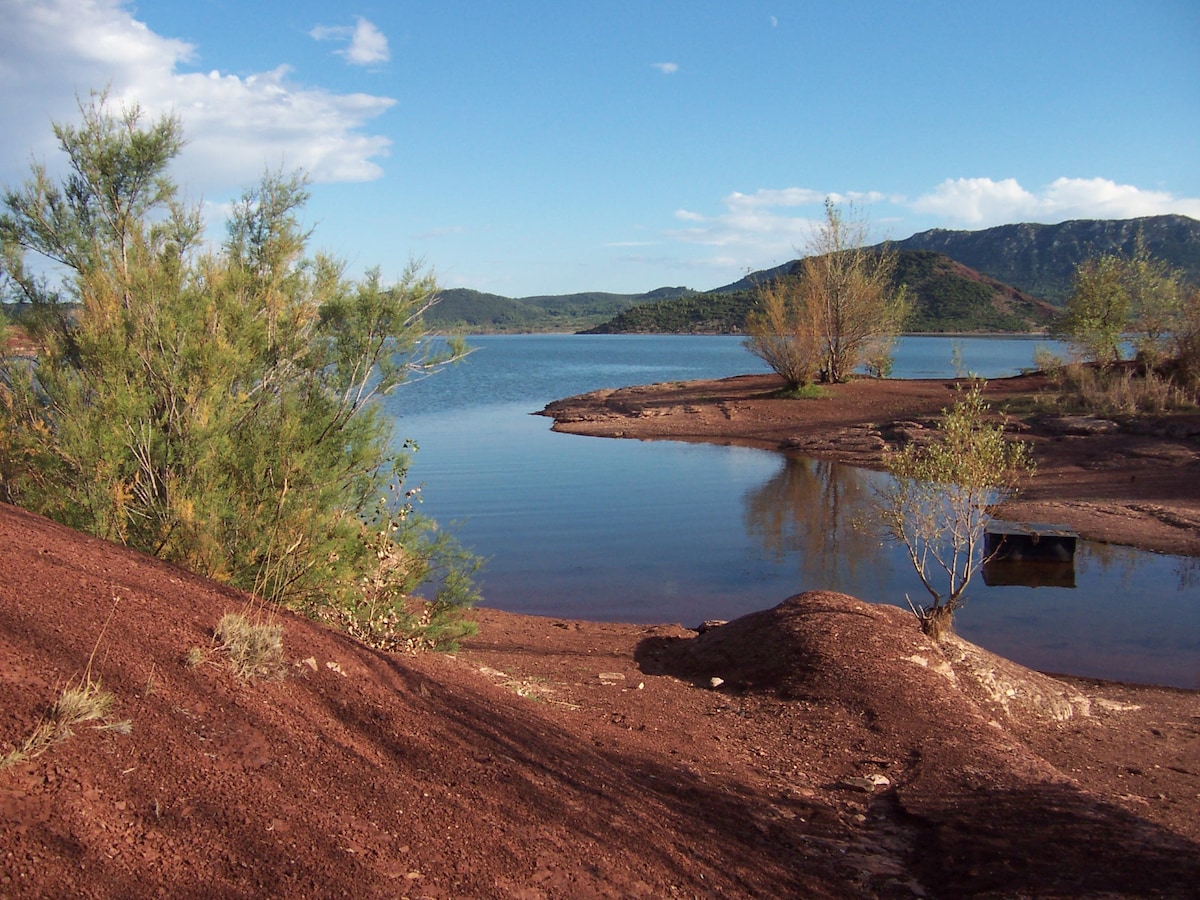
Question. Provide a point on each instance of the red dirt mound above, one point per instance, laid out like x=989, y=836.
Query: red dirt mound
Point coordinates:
x=562, y=759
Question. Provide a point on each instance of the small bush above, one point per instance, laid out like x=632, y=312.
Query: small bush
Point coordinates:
x=802, y=392
x=383, y=611
x=1119, y=390
x=938, y=504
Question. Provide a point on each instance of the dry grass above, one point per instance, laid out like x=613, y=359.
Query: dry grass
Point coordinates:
x=254, y=648
x=81, y=702
x=1123, y=389
x=84, y=702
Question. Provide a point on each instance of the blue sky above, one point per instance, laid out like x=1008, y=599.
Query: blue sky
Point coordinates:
x=530, y=147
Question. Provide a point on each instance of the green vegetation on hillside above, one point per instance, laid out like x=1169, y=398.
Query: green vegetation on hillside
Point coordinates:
x=464, y=311
x=697, y=314
x=949, y=297
x=945, y=297
x=1040, y=260
x=217, y=407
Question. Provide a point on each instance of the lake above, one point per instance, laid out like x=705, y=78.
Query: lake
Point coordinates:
x=623, y=530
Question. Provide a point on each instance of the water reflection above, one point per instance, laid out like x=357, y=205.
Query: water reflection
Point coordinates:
x=1114, y=612
x=625, y=531
x=1127, y=567
x=813, y=510
x=1029, y=573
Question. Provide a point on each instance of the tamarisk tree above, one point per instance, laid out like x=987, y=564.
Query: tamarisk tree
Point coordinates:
x=838, y=312
x=214, y=406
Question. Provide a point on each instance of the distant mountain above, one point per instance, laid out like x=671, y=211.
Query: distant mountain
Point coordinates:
x=1008, y=278
x=947, y=296
x=467, y=311
x=1040, y=259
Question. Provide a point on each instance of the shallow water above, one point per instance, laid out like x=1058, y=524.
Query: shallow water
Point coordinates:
x=660, y=531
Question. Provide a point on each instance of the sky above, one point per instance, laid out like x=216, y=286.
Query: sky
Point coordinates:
x=539, y=147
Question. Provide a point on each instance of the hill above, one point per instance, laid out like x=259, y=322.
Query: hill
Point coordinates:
x=1009, y=279
x=466, y=311
x=947, y=297
x=563, y=759
x=1040, y=259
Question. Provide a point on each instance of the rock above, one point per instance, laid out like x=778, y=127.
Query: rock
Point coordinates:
x=866, y=785
x=715, y=682
x=1081, y=425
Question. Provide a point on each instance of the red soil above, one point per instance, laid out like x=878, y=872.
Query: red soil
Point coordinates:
x=551, y=758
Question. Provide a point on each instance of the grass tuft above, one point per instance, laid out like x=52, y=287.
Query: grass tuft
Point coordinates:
x=81, y=702
x=76, y=705
x=254, y=649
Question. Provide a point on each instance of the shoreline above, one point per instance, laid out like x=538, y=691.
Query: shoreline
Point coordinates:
x=1133, y=482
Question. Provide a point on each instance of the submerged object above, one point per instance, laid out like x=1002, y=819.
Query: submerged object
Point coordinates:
x=1032, y=554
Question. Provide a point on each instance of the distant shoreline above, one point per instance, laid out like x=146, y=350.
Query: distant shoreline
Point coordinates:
x=1138, y=485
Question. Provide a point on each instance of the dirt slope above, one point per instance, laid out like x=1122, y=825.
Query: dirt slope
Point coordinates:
x=564, y=759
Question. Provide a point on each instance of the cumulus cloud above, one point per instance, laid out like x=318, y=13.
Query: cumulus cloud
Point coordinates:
x=765, y=223
x=752, y=227
x=236, y=126
x=366, y=44
x=984, y=202
x=667, y=68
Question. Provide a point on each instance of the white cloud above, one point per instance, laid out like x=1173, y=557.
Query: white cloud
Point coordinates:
x=752, y=229
x=367, y=44
x=983, y=202
x=764, y=228
x=235, y=126
x=766, y=198
x=667, y=68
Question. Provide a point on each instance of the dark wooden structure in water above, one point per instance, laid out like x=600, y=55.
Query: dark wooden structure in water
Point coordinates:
x=1032, y=554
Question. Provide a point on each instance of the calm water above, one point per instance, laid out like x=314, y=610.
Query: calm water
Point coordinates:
x=635, y=531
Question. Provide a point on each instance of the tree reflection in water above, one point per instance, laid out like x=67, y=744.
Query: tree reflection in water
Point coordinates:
x=809, y=510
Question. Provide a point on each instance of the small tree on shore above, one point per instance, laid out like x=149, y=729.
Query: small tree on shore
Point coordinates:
x=938, y=504
x=1118, y=297
x=783, y=334
x=840, y=311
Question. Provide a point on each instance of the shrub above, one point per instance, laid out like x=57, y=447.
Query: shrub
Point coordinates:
x=839, y=312
x=215, y=407
x=938, y=504
x=1124, y=389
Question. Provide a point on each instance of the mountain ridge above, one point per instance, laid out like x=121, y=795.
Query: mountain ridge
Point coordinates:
x=1033, y=260
x=1040, y=259
x=947, y=296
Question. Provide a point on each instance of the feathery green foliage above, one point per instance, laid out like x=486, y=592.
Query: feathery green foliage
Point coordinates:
x=214, y=407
